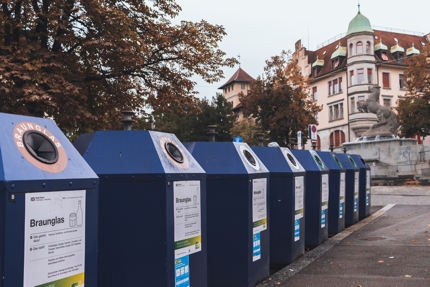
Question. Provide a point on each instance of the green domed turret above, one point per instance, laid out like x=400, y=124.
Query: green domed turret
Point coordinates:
x=359, y=24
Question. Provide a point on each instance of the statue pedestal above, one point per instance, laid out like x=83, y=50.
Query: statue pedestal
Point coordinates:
x=392, y=158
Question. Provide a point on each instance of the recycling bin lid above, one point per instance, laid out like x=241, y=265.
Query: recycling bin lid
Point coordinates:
x=347, y=161
x=331, y=160
x=279, y=160
x=136, y=152
x=310, y=160
x=226, y=157
x=361, y=163
x=36, y=149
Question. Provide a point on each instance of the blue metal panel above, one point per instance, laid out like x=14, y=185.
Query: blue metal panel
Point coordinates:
x=365, y=197
x=284, y=248
x=136, y=221
x=351, y=202
x=316, y=217
x=336, y=204
x=229, y=212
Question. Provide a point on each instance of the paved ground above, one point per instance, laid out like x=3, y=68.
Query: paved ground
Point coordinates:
x=389, y=248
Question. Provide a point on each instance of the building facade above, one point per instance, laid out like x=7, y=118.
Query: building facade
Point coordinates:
x=343, y=71
x=238, y=83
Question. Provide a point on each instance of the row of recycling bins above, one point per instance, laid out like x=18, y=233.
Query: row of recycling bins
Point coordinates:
x=140, y=208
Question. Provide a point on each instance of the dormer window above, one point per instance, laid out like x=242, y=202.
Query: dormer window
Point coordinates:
x=398, y=52
x=317, y=66
x=335, y=63
x=381, y=51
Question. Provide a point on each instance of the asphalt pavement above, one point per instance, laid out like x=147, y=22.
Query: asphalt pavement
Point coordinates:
x=390, y=248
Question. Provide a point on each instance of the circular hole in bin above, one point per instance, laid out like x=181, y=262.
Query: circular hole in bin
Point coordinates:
x=40, y=147
x=337, y=161
x=318, y=160
x=352, y=161
x=174, y=152
x=249, y=157
x=291, y=159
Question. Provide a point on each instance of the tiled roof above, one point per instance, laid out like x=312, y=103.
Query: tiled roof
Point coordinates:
x=404, y=40
x=240, y=76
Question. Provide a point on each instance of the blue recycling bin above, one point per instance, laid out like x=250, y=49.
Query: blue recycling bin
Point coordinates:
x=237, y=212
x=287, y=192
x=49, y=207
x=152, y=221
x=336, y=198
x=364, y=194
x=316, y=197
x=351, y=188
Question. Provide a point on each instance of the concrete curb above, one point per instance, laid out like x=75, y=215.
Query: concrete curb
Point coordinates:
x=288, y=271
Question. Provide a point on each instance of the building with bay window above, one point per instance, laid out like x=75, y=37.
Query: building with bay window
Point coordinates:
x=344, y=69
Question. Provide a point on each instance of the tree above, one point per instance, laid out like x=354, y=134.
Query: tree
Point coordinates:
x=192, y=125
x=248, y=130
x=82, y=62
x=281, y=103
x=413, y=111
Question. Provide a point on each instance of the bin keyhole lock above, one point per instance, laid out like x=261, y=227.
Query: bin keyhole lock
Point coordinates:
x=40, y=147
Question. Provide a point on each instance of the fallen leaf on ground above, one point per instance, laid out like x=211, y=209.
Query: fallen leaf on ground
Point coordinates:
x=381, y=261
x=277, y=283
x=408, y=276
x=414, y=240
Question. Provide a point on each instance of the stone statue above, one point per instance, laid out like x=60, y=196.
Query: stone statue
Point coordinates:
x=387, y=120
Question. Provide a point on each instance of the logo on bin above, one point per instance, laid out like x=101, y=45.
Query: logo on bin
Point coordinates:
x=40, y=147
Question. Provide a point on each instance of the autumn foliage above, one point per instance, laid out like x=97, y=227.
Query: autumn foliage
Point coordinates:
x=414, y=109
x=281, y=102
x=82, y=62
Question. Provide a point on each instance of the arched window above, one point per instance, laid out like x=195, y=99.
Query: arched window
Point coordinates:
x=368, y=48
x=351, y=50
x=359, y=48
x=337, y=138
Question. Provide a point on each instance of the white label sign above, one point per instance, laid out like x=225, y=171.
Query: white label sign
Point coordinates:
x=259, y=204
x=299, y=193
x=324, y=189
x=187, y=217
x=54, y=244
x=356, y=182
x=342, y=188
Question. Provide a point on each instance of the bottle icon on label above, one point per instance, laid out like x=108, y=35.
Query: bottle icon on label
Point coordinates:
x=79, y=215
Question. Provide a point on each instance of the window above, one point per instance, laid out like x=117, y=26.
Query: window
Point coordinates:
x=359, y=48
x=351, y=78
x=337, y=138
x=400, y=57
x=368, y=48
x=335, y=86
x=386, y=102
x=385, y=80
x=369, y=76
x=384, y=55
x=334, y=63
x=318, y=142
x=360, y=76
x=351, y=50
x=315, y=93
x=402, y=81
x=335, y=111
x=242, y=86
x=352, y=105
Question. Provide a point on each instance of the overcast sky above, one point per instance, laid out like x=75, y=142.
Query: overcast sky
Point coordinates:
x=258, y=30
